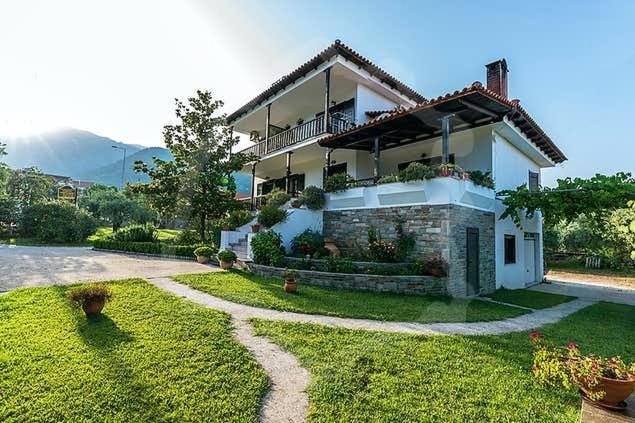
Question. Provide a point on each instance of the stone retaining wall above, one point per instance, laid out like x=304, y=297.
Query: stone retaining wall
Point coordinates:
x=361, y=266
x=414, y=285
x=439, y=230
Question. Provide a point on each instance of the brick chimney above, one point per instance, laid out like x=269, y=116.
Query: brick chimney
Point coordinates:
x=497, y=77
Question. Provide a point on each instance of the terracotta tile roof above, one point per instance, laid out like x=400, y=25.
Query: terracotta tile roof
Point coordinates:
x=337, y=48
x=516, y=113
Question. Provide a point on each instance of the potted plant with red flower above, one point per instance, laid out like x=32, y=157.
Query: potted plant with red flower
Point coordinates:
x=438, y=267
x=446, y=169
x=606, y=382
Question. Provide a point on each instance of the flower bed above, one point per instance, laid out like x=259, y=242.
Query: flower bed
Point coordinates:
x=365, y=267
x=414, y=285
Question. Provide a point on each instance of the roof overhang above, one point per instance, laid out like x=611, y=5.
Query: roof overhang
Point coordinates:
x=319, y=61
x=471, y=107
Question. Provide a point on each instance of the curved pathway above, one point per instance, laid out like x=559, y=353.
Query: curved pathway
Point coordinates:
x=244, y=312
x=287, y=400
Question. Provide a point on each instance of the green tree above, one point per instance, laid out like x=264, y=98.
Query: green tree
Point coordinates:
x=106, y=202
x=198, y=183
x=595, y=197
x=28, y=186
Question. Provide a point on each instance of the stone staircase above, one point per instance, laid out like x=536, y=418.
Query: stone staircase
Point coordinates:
x=240, y=248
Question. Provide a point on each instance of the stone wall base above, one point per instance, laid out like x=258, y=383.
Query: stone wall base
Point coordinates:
x=413, y=285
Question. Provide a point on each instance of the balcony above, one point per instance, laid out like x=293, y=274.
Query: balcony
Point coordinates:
x=307, y=130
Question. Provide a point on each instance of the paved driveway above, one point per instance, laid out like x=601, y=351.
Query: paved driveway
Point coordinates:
x=590, y=291
x=33, y=266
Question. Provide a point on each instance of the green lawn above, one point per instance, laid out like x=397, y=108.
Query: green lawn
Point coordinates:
x=531, y=299
x=263, y=292
x=150, y=357
x=163, y=234
x=370, y=376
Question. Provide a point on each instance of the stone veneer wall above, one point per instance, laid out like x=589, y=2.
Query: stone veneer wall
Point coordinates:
x=414, y=285
x=439, y=231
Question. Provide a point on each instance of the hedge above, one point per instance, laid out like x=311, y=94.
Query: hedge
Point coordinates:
x=148, y=247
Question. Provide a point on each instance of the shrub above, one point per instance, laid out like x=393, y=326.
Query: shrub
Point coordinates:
x=149, y=247
x=270, y=215
x=337, y=182
x=277, y=197
x=88, y=293
x=313, y=197
x=416, y=172
x=482, y=178
x=57, y=222
x=136, y=233
x=405, y=240
x=339, y=265
x=438, y=264
x=204, y=251
x=267, y=249
x=237, y=218
x=388, y=179
x=308, y=242
x=228, y=256
x=187, y=237
x=382, y=251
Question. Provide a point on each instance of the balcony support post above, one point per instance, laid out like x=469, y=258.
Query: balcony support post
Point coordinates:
x=288, y=175
x=327, y=163
x=253, y=186
x=267, y=124
x=445, y=138
x=377, y=151
x=327, y=97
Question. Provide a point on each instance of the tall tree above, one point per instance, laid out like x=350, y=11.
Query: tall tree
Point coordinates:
x=106, y=202
x=199, y=180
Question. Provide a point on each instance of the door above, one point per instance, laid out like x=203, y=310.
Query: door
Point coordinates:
x=530, y=261
x=472, y=265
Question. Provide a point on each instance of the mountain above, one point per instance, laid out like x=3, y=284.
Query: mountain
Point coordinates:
x=67, y=151
x=87, y=157
x=110, y=174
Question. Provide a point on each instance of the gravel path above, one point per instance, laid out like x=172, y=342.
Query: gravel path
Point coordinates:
x=37, y=266
x=589, y=291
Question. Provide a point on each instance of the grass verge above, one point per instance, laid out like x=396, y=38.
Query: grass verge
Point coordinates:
x=150, y=357
x=531, y=299
x=264, y=292
x=371, y=376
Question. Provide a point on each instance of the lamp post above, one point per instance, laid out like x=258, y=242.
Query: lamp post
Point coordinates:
x=123, y=166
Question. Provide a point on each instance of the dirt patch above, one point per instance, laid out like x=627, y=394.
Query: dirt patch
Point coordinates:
x=591, y=278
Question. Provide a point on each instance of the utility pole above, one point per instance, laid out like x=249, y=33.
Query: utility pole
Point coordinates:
x=123, y=165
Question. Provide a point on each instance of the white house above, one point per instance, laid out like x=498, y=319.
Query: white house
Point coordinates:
x=340, y=113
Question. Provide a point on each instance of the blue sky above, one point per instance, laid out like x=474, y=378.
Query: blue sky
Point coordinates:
x=572, y=64
x=115, y=67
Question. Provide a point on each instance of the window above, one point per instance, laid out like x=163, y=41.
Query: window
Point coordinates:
x=533, y=180
x=337, y=168
x=510, y=249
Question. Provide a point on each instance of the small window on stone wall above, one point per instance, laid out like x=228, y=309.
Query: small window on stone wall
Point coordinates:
x=510, y=249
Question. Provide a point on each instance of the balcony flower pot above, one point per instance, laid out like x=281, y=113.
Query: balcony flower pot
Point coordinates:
x=465, y=176
x=616, y=391
x=436, y=272
x=255, y=228
x=290, y=284
x=296, y=203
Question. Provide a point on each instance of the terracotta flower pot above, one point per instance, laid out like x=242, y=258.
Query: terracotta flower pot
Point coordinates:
x=436, y=272
x=93, y=307
x=226, y=265
x=255, y=228
x=290, y=286
x=202, y=259
x=446, y=172
x=296, y=205
x=616, y=391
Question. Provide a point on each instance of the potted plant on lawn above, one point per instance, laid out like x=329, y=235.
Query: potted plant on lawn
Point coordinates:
x=227, y=258
x=290, y=284
x=203, y=254
x=91, y=297
x=255, y=228
x=606, y=382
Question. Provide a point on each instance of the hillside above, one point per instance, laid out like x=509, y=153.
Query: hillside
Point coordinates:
x=65, y=151
x=87, y=157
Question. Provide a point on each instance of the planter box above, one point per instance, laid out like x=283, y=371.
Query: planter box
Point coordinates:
x=398, y=193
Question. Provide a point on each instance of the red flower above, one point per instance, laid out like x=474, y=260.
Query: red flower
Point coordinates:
x=573, y=346
x=534, y=368
x=536, y=335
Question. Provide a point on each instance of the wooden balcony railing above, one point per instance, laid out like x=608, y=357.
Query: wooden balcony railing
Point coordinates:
x=297, y=134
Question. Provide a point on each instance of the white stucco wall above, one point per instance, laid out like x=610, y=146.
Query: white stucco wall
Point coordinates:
x=511, y=169
x=368, y=100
